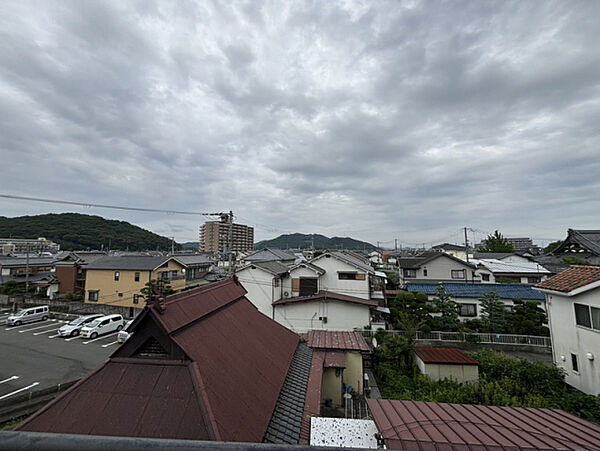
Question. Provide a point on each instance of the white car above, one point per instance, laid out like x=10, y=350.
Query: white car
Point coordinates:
x=102, y=325
x=74, y=327
x=125, y=334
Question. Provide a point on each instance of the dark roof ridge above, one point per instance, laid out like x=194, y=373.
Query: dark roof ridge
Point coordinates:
x=189, y=293
x=203, y=402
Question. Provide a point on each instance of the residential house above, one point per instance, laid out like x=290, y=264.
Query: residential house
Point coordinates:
x=342, y=355
x=418, y=425
x=446, y=363
x=453, y=249
x=69, y=270
x=263, y=283
x=492, y=271
x=32, y=270
x=197, y=266
x=203, y=364
x=119, y=280
x=573, y=305
x=270, y=255
x=468, y=295
x=432, y=266
x=506, y=257
x=583, y=244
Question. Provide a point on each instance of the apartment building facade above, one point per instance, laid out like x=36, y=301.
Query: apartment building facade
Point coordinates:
x=214, y=236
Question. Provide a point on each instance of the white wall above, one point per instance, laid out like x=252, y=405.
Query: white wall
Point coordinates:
x=299, y=273
x=330, y=281
x=259, y=285
x=568, y=338
x=304, y=316
x=440, y=371
x=440, y=269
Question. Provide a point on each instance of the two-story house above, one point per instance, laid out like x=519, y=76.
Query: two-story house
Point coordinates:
x=119, y=280
x=573, y=306
x=432, y=266
x=501, y=271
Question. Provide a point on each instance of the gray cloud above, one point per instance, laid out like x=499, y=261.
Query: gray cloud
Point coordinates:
x=377, y=120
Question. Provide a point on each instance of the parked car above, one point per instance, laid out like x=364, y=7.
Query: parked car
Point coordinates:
x=124, y=334
x=29, y=315
x=74, y=327
x=102, y=325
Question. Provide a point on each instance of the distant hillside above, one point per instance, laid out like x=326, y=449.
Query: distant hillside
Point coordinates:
x=302, y=241
x=191, y=245
x=75, y=231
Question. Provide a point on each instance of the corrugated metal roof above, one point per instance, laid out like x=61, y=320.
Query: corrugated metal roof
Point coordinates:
x=334, y=359
x=339, y=340
x=129, y=262
x=444, y=355
x=498, y=266
x=238, y=361
x=477, y=290
x=416, y=425
x=326, y=295
x=575, y=277
x=270, y=254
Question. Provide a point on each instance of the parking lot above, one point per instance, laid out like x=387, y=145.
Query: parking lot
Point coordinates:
x=33, y=356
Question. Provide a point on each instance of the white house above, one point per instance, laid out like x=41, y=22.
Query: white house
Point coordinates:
x=491, y=270
x=435, y=266
x=573, y=303
x=264, y=283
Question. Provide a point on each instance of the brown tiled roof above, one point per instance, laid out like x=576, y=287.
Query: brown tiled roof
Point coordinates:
x=416, y=425
x=576, y=276
x=232, y=359
x=444, y=355
x=312, y=404
x=344, y=341
x=326, y=295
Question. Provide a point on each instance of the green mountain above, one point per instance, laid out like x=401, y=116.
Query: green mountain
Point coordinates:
x=303, y=241
x=75, y=231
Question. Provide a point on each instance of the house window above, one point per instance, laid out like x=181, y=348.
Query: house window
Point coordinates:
x=93, y=296
x=458, y=273
x=582, y=315
x=136, y=298
x=595, y=318
x=117, y=275
x=410, y=273
x=120, y=295
x=308, y=287
x=425, y=272
x=163, y=275
x=467, y=309
x=173, y=274
x=485, y=277
x=347, y=276
x=534, y=279
x=574, y=363
x=276, y=282
x=136, y=277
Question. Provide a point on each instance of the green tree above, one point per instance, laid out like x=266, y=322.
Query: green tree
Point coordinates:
x=10, y=287
x=445, y=307
x=527, y=318
x=493, y=313
x=552, y=246
x=412, y=305
x=496, y=243
x=162, y=285
x=573, y=260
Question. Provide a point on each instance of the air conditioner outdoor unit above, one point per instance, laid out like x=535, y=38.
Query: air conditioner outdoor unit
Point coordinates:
x=286, y=294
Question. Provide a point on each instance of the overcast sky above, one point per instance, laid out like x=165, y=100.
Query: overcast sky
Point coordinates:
x=377, y=120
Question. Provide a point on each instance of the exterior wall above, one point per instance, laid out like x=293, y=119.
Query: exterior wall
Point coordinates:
x=515, y=259
x=67, y=278
x=299, y=273
x=331, y=387
x=260, y=287
x=353, y=374
x=331, y=282
x=214, y=237
x=458, y=373
x=439, y=270
x=102, y=280
x=304, y=316
x=569, y=338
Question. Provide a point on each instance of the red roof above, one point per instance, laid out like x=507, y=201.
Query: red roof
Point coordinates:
x=417, y=426
x=233, y=360
x=312, y=402
x=329, y=339
x=576, y=276
x=445, y=355
x=334, y=359
x=326, y=296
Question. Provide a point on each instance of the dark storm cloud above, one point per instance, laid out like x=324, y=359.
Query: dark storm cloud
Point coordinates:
x=382, y=120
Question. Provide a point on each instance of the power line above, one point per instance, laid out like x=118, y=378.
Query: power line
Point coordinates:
x=114, y=207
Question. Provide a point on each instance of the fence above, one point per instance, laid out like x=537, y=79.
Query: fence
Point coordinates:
x=461, y=337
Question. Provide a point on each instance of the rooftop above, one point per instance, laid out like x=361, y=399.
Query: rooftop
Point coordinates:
x=444, y=355
x=416, y=425
x=577, y=276
x=326, y=296
x=338, y=340
x=476, y=290
x=498, y=266
x=129, y=262
x=269, y=254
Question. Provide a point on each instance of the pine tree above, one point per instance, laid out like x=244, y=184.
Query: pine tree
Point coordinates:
x=496, y=243
x=493, y=313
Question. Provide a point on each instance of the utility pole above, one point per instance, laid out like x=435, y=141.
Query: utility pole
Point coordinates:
x=466, y=245
x=172, y=245
x=230, y=238
x=396, y=245
x=27, y=271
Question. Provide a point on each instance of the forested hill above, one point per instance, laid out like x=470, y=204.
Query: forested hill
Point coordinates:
x=303, y=241
x=75, y=231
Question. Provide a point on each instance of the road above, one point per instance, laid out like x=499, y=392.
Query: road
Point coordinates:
x=33, y=357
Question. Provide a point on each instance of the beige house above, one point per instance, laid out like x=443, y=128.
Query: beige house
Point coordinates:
x=447, y=363
x=119, y=280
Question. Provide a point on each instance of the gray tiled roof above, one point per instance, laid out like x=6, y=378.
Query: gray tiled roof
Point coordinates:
x=269, y=254
x=143, y=263
x=287, y=416
x=350, y=260
x=194, y=259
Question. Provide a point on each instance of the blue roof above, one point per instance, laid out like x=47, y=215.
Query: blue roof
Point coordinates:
x=477, y=290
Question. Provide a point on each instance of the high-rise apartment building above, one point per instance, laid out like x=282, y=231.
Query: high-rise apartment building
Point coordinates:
x=214, y=236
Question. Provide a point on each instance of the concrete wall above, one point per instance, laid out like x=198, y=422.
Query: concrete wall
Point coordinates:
x=303, y=316
x=260, y=287
x=103, y=281
x=330, y=280
x=331, y=387
x=439, y=371
x=353, y=373
x=569, y=338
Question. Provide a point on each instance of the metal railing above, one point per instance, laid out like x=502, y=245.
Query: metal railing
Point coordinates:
x=465, y=337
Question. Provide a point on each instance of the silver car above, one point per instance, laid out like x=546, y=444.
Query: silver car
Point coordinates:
x=74, y=327
x=29, y=315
